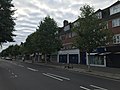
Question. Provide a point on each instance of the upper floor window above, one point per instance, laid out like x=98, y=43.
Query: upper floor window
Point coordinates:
x=106, y=25
x=69, y=35
x=67, y=28
x=74, y=34
x=76, y=24
x=115, y=9
x=62, y=37
x=99, y=15
x=116, y=22
x=116, y=39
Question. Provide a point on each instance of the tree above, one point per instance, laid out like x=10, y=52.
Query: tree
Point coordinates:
x=29, y=47
x=15, y=50
x=92, y=32
x=30, y=44
x=22, y=49
x=4, y=53
x=6, y=21
x=7, y=52
x=11, y=51
x=44, y=40
x=47, y=37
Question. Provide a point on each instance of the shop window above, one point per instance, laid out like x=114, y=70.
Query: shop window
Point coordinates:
x=97, y=60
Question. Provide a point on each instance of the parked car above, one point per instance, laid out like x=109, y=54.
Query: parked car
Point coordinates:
x=8, y=58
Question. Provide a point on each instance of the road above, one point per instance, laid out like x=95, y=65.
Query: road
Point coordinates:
x=26, y=76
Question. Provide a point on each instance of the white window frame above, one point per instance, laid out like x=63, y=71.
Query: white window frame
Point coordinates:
x=115, y=9
x=116, y=22
x=70, y=35
x=92, y=54
x=116, y=39
x=99, y=15
x=74, y=34
x=66, y=28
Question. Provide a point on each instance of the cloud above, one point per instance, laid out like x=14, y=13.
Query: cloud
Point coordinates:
x=26, y=26
x=27, y=22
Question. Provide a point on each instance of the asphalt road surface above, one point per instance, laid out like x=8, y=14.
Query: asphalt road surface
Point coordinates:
x=25, y=76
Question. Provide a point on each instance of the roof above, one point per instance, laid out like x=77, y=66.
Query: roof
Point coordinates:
x=99, y=10
x=116, y=3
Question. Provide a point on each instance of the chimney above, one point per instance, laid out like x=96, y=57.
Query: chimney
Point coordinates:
x=65, y=23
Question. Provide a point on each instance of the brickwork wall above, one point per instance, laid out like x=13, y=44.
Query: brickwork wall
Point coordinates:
x=115, y=30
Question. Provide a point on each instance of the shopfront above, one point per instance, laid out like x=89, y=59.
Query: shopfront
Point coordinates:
x=96, y=60
x=69, y=56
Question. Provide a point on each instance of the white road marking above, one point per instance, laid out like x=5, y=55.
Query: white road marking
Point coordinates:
x=100, y=88
x=32, y=69
x=52, y=77
x=59, y=76
x=21, y=65
x=84, y=88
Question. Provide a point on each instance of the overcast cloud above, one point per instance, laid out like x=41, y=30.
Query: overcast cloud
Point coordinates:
x=30, y=12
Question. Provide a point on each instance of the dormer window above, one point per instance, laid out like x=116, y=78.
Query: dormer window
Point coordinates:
x=115, y=9
x=99, y=15
x=66, y=28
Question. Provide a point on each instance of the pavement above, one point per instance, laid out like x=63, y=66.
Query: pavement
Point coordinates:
x=112, y=73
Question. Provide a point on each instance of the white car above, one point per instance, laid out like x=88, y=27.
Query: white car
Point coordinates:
x=8, y=58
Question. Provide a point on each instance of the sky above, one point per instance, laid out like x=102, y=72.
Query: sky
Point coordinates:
x=30, y=12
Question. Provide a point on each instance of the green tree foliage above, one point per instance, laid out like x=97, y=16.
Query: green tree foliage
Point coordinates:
x=22, y=49
x=92, y=32
x=6, y=21
x=15, y=50
x=30, y=46
x=47, y=36
x=45, y=39
x=12, y=50
x=6, y=52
